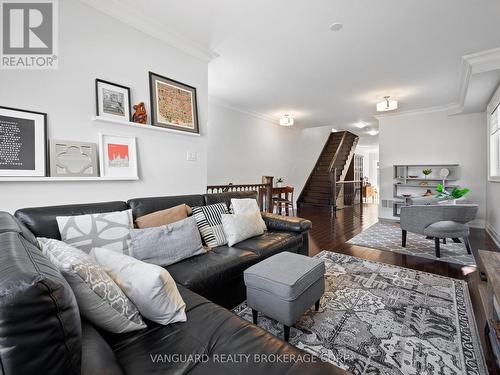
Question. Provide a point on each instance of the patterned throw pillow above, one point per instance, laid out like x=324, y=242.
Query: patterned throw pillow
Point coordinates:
x=99, y=299
x=208, y=219
x=109, y=230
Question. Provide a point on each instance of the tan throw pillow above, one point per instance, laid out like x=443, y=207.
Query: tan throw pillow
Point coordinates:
x=163, y=217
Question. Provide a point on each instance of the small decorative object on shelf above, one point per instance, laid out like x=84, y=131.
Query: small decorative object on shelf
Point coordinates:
x=279, y=181
x=23, y=147
x=427, y=172
x=428, y=193
x=424, y=183
x=140, y=116
x=118, y=156
x=73, y=159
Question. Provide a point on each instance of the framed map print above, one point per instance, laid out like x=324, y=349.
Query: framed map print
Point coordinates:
x=118, y=156
x=112, y=100
x=173, y=104
x=23, y=143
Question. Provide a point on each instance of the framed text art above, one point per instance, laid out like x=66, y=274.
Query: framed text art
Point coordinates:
x=112, y=100
x=23, y=143
x=173, y=104
x=118, y=156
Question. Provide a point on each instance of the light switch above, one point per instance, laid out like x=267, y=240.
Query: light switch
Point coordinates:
x=191, y=156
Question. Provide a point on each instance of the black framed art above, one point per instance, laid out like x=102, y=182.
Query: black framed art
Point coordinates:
x=23, y=143
x=112, y=100
x=173, y=104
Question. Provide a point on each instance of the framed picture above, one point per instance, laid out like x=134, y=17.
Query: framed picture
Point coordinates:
x=173, y=104
x=118, y=156
x=112, y=100
x=73, y=159
x=23, y=143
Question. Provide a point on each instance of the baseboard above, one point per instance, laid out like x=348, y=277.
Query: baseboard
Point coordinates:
x=387, y=220
x=493, y=234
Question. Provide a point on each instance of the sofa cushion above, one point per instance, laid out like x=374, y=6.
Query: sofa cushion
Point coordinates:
x=41, y=221
x=211, y=332
x=212, y=270
x=272, y=242
x=40, y=329
x=144, y=206
x=167, y=244
x=447, y=229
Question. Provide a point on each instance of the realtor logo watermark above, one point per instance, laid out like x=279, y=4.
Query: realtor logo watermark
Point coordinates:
x=29, y=34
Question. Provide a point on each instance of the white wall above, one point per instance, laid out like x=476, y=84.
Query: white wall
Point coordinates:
x=493, y=188
x=242, y=148
x=370, y=159
x=93, y=45
x=435, y=138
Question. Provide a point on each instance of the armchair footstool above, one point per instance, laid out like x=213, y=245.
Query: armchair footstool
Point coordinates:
x=285, y=286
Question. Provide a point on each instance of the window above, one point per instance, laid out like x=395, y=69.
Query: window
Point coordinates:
x=494, y=140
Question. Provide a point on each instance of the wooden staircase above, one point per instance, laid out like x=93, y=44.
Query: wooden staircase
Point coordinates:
x=336, y=156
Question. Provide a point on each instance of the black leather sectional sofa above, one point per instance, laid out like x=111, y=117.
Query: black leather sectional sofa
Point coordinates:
x=41, y=331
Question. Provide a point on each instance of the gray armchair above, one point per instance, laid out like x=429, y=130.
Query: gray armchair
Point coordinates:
x=438, y=222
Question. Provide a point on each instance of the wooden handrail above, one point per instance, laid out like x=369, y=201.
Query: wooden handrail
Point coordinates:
x=263, y=191
x=337, y=152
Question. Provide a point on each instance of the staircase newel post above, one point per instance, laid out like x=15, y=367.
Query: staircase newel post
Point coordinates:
x=333, y=189
x=268, y=180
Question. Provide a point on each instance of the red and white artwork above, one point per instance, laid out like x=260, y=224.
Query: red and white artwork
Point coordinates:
x=118, y=156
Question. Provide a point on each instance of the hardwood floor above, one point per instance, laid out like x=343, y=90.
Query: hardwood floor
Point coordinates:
x=332, y=233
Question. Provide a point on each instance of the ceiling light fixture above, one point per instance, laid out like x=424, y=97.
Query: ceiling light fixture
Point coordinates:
x=336, y=26
x=286, y=120
x=387, y=105
x=360, y=124
x=372, y=132
x=334, y=130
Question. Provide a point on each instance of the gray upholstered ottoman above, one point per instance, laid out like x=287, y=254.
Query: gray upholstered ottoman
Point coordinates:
x=284, y=286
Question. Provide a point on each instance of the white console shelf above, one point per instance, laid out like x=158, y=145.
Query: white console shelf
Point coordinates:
x=141, y=126
x=52, y=179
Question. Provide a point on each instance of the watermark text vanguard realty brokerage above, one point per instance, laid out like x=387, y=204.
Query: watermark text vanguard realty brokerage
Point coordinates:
x=240, y=358
x=29, y=34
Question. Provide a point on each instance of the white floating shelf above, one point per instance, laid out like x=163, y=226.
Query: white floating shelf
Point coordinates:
x=141, y=126
x=51, y=179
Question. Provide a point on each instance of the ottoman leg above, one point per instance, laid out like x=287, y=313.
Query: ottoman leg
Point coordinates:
x=467, y=245
x=255, y=313
x=438, y=249
x=316, y=305
x=286, y=330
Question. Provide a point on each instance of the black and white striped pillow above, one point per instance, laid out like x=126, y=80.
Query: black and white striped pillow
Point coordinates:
x=208, y=219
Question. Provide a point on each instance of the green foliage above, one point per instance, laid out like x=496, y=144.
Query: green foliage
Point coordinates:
x=280, y=179
x=456, y=193
x=427, y=172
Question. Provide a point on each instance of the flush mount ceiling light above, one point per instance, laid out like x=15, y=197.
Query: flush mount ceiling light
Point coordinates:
x=372, y=132
x=336, y=26
x=286, y=120
x=387, y=105
x=360, y=124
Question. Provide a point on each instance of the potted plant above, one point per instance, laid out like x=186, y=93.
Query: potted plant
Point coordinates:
x=279, y=181
x=427, y=172
x=451, y=198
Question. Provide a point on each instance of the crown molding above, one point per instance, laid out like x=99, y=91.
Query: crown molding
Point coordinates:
x=474, y=63
x=148, y=25
x=221, y=103
x=418, y=111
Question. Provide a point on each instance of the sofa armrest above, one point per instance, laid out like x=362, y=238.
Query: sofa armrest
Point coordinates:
x=286, y=223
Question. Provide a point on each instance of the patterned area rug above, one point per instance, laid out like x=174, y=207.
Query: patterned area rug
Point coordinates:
x=377, y=318
x=382, y=236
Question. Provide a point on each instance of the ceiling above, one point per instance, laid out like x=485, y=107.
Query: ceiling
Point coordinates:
x=279, y=56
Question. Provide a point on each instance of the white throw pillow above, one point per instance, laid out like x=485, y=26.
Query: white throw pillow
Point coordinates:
x=149, y=287
x=241, y=227
x=247, y=206
x=99, y=299
x=108, y=229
